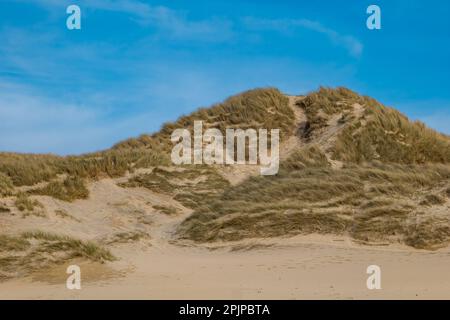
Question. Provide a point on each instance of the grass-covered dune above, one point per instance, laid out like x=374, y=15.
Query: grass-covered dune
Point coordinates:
x=391, y=184
x=376, y=203
x=358, y=169
x=260, y=108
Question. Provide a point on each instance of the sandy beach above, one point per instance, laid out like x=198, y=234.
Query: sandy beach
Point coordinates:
x=311, y=267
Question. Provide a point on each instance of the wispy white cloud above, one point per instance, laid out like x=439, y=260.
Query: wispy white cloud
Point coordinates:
x=174, y=23
x=177, y=24
x=350, y=43
x=50, y=57
x=34, y=122
x=31, y=121
x=61, y=101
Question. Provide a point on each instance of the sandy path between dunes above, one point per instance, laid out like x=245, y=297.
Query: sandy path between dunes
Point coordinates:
x=310, y=267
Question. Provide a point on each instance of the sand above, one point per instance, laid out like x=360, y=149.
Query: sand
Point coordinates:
x=311, y=267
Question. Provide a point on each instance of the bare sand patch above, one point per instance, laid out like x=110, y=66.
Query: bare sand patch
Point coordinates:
x=313, y=267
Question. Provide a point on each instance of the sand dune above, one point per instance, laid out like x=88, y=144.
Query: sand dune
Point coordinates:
x=221, y=232
x=301, y=267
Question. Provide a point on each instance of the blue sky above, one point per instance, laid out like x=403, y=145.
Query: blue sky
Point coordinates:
x=136, y=64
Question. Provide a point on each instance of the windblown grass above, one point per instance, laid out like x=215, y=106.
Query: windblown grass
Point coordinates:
x=386, y=135
x=382, y=134
x=6, y=185
x=70, y=189
x=27, y=170
x=259, y=108
x=321, y=104
x=24, y=203
x=8, y=243
x=428, y=233
x=191, y=185
x=73, y=247
x=31, y=251
x=371, y=203
x=432, y=199
x=306, y=157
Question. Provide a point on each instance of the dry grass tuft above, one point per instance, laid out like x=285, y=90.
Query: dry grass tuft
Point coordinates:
x=168, y=210
x=191, y=186
x=31, y=251
x=6, y=185
x=126, y=237
x=72, y=247
x=8, y=243
x=306, y=157
x=70, y=189
x=29, y=206
x=320, y=105
x=429, y=234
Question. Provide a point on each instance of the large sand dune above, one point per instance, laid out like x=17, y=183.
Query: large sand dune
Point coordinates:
x=221, y=232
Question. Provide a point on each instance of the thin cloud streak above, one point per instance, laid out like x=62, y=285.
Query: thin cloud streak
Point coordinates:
x=350, y=43
x=173, y=23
